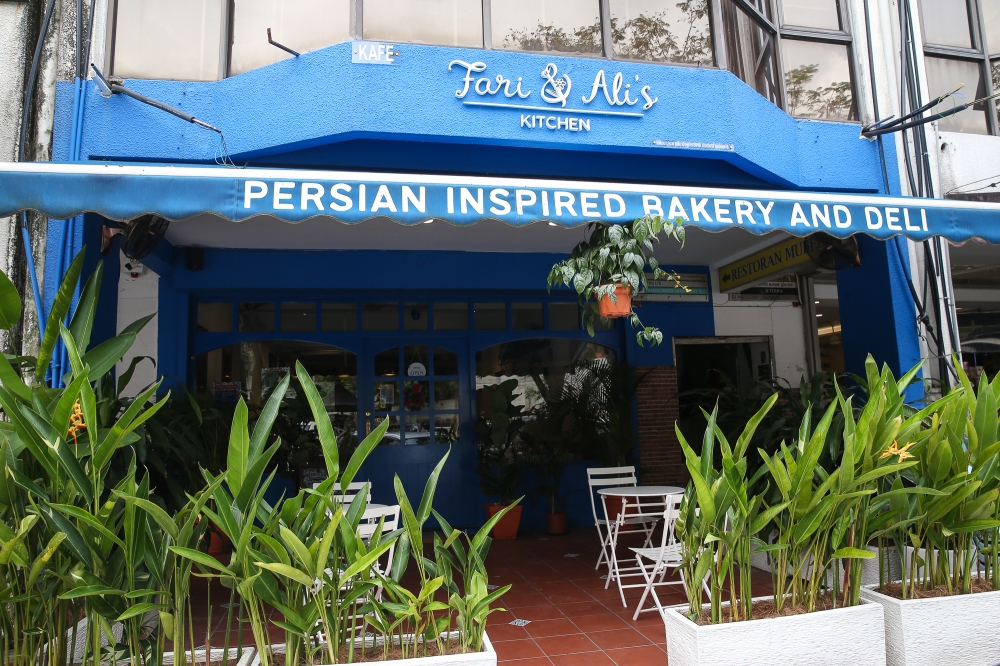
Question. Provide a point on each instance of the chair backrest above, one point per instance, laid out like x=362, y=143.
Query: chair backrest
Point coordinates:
x=605, y=477
x=353, y=489
x=389, y=515
x=671, y=510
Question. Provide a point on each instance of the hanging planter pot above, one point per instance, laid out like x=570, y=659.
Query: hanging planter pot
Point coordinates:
x=620, y=306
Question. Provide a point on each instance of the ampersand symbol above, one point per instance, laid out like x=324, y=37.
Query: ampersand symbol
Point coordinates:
x=555, y=90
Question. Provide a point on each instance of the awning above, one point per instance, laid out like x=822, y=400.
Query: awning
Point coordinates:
x=122, y=192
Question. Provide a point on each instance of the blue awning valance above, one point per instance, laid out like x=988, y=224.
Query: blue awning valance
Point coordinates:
x=121, y=192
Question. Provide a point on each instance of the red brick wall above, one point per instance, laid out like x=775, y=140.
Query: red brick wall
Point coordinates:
x=661, y=460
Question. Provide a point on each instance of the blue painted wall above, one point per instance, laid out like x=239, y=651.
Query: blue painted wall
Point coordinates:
x=877, y=314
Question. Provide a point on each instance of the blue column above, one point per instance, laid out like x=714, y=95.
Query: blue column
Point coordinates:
x=877, y=313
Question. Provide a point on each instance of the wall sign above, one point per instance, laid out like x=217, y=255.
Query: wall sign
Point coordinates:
x=373, y=53
x=416, y=370
x=778, y=259
x=690, y=288
x=782, y=289
x=550, y=103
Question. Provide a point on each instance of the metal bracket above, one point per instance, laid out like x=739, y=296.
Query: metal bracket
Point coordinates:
x=280, y=46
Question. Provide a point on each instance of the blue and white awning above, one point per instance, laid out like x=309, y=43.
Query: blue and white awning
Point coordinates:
x=122, y=192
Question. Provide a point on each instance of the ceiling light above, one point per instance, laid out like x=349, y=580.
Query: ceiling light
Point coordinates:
x=819, y=315
x=817, y=302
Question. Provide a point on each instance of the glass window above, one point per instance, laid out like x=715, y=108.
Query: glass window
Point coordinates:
x=946, y=22
x=298, y=317
x=564, y=317
x=386, y=396
x=750, y=50
x=339, y=317
x=414, y=316
x=387, y=363
x=416, y=396
x=415, y=361
x=293, y=24
x=451, y=316
x=527, y=316
x=446, y=428
x=257, y=317
x=446, y=394
x=445, y=22
x=215, y=317
x=380, y=317
x=991, y=19
x=943, y=74
x=811, y=13
x=445, y=362
x=490, y=316
x=564, y=26
x=662, y=30
x=180, y=39
x=418, y=430
x=818, y=80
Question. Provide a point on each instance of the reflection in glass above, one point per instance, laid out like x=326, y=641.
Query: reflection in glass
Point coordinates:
x=444, y=22
x=416, y=396
x=943, y=74
x=215, y=317
x=446, y=394
x=995, y=70
x=946, y=22
x=414, y=316
x=190, y=31
x=490, y=316
x=387, y=363
x=451, y=316
x=418, y=430
x=564, y=317
x=256, y=317
x=298, y=317
x=445, y=362
x=991, y=19
x=662, y=30
x=527, y=316
x=818, y=80
x=542, y=366
x=564, y=26
x=380, y=317
x=339, y=317
x=292, y=23
x=386, y=396
x=750, y=49
x=811, y=13
x=446, y=429
x=391, y=436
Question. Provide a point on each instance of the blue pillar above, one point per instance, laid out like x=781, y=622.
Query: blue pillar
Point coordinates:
x=877, y=313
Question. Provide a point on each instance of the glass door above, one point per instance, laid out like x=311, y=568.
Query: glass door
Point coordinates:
x=423, y=387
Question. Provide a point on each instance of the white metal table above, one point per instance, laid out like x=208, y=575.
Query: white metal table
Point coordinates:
x=625, y=493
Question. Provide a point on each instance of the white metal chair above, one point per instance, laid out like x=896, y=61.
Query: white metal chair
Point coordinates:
x=612, y=477
x=661, y=560
x=649, y=512
x=346, y=497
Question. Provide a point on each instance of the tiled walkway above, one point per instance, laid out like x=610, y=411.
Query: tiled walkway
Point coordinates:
x=573, y=620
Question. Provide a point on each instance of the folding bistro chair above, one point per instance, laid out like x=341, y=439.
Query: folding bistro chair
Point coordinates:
x=605, y=477
x=347, y=496
x=649, y=512
x=661, y=560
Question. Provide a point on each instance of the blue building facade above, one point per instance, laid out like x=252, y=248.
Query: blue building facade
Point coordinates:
x=406, y=322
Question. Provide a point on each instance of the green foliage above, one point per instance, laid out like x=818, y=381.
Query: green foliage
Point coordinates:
x=10, y=303
x=613, y=255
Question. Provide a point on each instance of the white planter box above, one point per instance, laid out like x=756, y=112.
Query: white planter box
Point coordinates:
x=249, y=654
x=488, y=657
x=961, y=629
x=869, y=570
x=851, y=636
x=908, y=553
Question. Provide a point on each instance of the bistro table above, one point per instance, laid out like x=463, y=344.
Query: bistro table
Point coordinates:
x=624, y=493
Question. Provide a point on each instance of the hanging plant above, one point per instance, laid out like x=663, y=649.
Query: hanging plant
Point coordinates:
x=609, y=269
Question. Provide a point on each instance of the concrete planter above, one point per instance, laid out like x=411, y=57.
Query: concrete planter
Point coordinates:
x=846, y=636
x=960, y=629
x=869, y=571
x=488, y=657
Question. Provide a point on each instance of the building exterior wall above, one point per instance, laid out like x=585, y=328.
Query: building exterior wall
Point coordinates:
x=661, y=461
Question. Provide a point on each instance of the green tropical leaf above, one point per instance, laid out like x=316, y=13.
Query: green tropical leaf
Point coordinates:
x=57, y=313
x=10, y=303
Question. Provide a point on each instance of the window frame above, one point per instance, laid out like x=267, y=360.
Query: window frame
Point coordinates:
x=844, y=36
x=979, y=54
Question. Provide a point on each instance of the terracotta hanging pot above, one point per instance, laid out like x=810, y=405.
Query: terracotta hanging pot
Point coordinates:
x=615, y=310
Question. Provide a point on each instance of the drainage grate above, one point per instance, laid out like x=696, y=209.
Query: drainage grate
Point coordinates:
x=521, y=623
x=490, y=588
x=572, y=554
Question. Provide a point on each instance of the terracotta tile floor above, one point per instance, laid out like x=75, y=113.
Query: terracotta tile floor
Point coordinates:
x=572, y=619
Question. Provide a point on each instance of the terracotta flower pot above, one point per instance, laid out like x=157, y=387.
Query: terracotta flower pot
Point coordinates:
x=557, y=523
x=218, y=543
x=615, y=310
x=506, y=529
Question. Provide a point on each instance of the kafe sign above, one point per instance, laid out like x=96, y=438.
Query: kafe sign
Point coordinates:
x=628, y=94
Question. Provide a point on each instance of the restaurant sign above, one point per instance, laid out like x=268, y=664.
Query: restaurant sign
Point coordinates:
x=780, y=259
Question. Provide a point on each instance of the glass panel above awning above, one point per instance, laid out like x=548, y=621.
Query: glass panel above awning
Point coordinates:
x=122, y=192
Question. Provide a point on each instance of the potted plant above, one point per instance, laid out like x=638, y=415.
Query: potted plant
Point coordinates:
x=947, y=536
x=820, y=519
x=610, y=268
x=548, y=450
x=499, y=463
